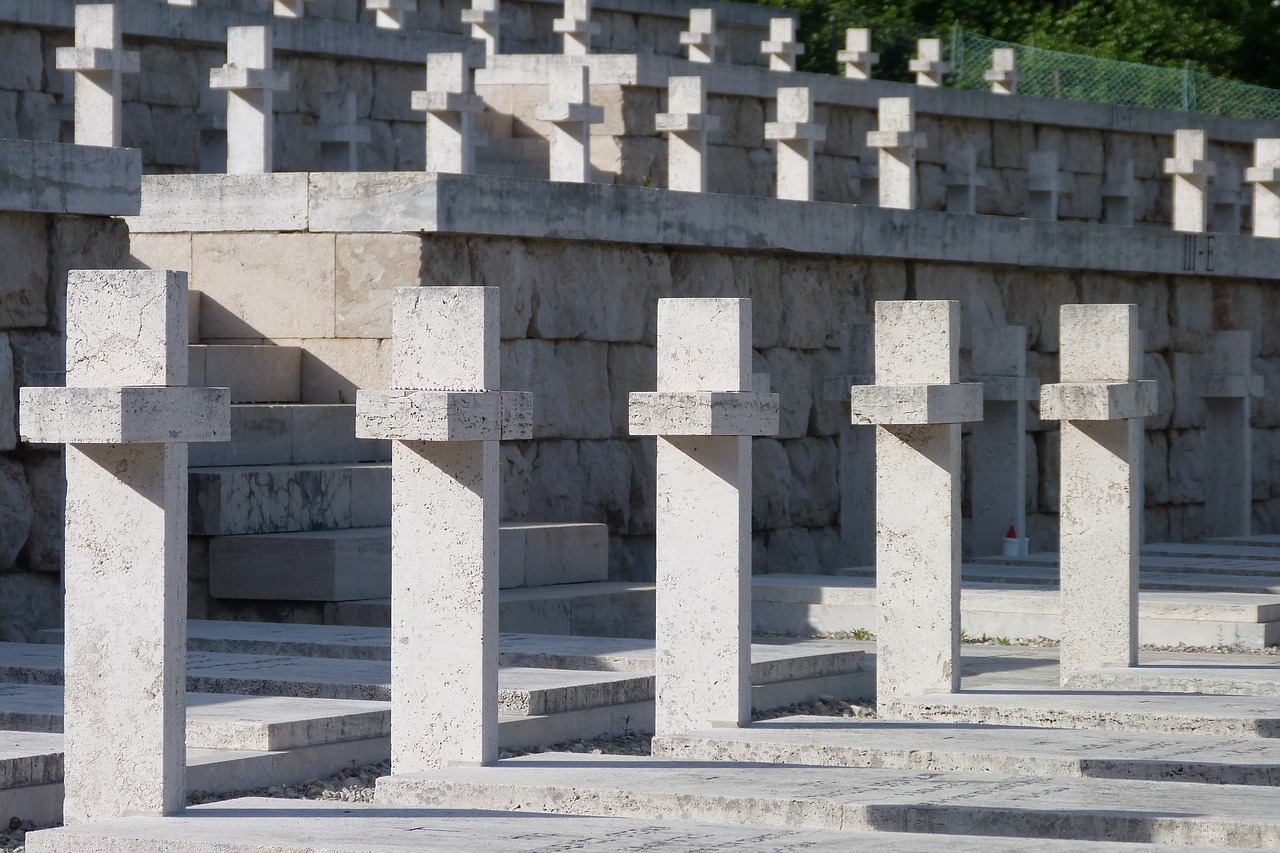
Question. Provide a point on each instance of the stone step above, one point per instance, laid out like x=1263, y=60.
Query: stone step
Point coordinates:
x=1147, y=564
x=290, y=826
x=1147, y=579
x=1169, y=676
x=605, y=609
x=830, y=742
x=1224, y=552
x=1014, y=704
x=223, y=721
x=355, y=564
x=248, y=499
x=290, y=434
x=815, y=604
x=255, y=374
x=855, y=799
x=1259, y=540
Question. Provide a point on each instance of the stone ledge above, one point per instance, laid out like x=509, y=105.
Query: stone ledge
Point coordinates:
x=411, y=202
x=909, y=405
x=1098, y=401
x=45, y=177
x=444, y=415
x=702, y=413
x=138, y=415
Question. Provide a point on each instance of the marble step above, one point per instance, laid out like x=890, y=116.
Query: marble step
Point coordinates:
x=809, y=604
x=289, y=434
x=858, y=799
x=974, y=748
x=290, y=826
x=1013, y=704
x=1148, y=564
x=223, y=721
x=604, y=609
x=255, y=374
x=247, y=499
x=355, y=563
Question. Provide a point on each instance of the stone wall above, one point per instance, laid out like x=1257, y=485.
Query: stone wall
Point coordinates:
x=38, y=249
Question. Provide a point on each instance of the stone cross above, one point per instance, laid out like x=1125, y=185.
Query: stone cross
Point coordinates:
x=998, y=443
x=571, y=115
x=187, y=4
x=857, y=447
x=857, y=56
x=1119, y=189
x=897, y=140
x=485, y=20
x=1003, y=75
x=289, y=8
x=962, y=180
x=782, y=47
x=1228, y=202
x=391, y=14
x=917, y=406
x=340, y=133
x=928, y=64
x=701, y=38
x=1191, y=173
x=577, y=27
x=451, y=108
x=1101, y=404
x=250, y=82
x=796, y=134
x=1227, y=383
x=125, y=416
x=1264, y=174
x=98, y=60
x=444, y=417
x=686, y=124
x=1045, y=185
x=703, y=414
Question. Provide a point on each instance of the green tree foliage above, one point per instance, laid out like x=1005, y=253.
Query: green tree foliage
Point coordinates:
x=1239, y=39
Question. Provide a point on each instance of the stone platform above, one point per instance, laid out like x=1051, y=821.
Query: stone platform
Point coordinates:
x=288, y=826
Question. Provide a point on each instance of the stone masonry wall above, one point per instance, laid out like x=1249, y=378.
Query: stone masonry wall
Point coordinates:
x=38, y=250
x=578, y=330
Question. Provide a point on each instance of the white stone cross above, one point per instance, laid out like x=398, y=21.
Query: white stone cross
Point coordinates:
x=998, y=443
x=782, y=47
x=1003, y=75
x=857, y=56
x=917, y=406
x=98, y=60
x=576, y=27
x=703, y=415
x=444, y=417
x=797, y=134
x=1191, y=173
x=250, y=81
x=857, y=447
x=451, y=108
x=1045, y=185
x=1101, y=403
x=485, y=20
x=962, y=180
x=289, y=8
x=686, y=124
x=571, y=115
x=928, y=64
x=1228, y=202
x=1264, y=174
x=1227, y=382
x=701, y=38
x=125, y=416
x=340, y=132
x=391, y=14
x=897, y=140
x=1119, y=189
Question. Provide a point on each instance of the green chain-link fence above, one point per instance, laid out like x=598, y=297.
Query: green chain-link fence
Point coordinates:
x=1054, y=74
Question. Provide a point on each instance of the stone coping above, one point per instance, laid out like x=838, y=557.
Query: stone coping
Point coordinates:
x=45, y=177
x=652, y=72
x=408, y=202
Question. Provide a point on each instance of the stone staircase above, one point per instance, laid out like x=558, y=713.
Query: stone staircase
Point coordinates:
x=291, y=519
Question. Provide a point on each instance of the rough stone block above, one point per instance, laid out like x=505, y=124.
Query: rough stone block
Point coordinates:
x=444, y=415
x=138, y=415
x=23, y=287
x=703, y=412
x=1098, y=401
x=126, y=327
x=368, y=268
x=887, y=405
